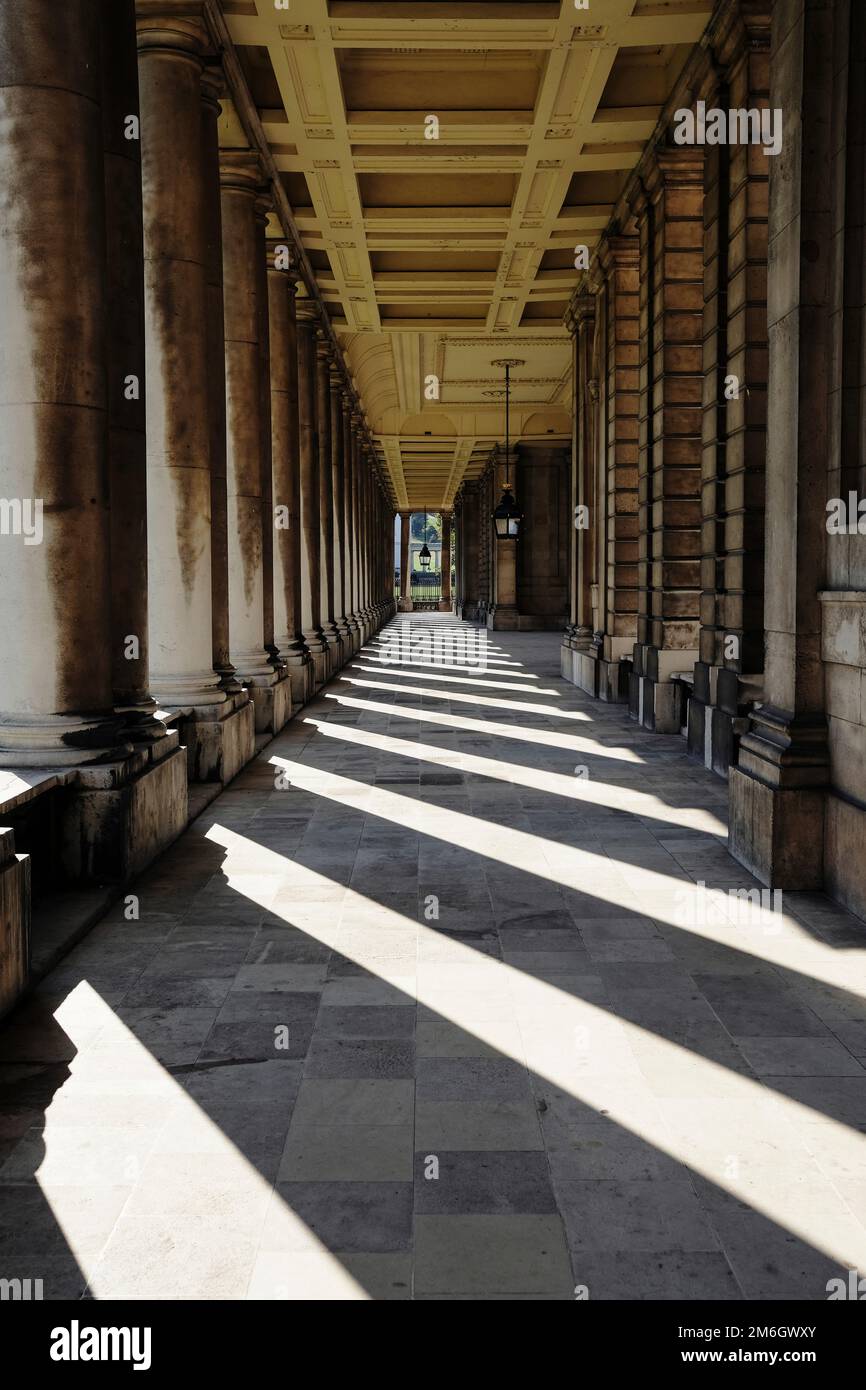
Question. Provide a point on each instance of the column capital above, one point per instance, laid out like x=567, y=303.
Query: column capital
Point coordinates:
x=264, y=203
x=241, y=171
x=617, y=251
x=307, y=311
x=670, y=167
x=213, y=84
x=173, y=26
x=324, y=346
x=746, y=25
x=580, y=311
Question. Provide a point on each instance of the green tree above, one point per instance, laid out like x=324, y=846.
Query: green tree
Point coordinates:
x=433, y=530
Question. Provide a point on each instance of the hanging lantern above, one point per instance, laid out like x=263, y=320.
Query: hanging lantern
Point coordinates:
x=507, y=516
x=424, y=556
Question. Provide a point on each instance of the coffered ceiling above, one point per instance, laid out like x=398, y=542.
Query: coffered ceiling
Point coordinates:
x=443, y=161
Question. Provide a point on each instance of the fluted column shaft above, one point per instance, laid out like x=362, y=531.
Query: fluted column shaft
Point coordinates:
x=54, y=555
x=264, y=205
x=127, y=453
x=308, y=454
x=336, y=389
x=243, y=244
x=212, y=87
x=446, y=560
x=171, y=51
x=285, y=465
x=405, y=523
x=326, y=493
x=355, y=519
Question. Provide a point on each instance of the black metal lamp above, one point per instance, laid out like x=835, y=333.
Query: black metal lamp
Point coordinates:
x=424, y=556
x=507, y=516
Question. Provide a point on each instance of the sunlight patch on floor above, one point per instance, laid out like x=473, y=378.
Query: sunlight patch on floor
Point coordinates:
x=122, y=1137
x=548, y=738
x=724, y=1116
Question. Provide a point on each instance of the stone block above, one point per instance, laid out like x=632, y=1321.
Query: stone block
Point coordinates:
x=217, y=749
x=845, y=853
x=107, y=834
x=778, y=834
x=14, y=921
x=272, y=705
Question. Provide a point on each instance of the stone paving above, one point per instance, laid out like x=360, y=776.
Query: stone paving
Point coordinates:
x=449, y=996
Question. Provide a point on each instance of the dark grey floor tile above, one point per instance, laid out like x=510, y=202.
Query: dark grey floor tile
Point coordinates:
x=368, y=1217
x=472, y=1181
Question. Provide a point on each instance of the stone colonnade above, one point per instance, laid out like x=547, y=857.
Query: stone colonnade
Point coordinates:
x=405, y=602
x=501, y=584
x=194, y=524
x=718, y=412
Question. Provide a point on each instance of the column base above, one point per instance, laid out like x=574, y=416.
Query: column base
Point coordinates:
x=318, y=649
x=777, y=833
x=718, y=713
x=220, y=739
x=778, y=799
x=655, y=700
x=502, y=619
x=272, y=704
x=354, y=633
x=404, y=605
x=56, y=740
x=118, y=817
x=845, y=836
x=334, y=650
x=14, y=921
x=300, y=673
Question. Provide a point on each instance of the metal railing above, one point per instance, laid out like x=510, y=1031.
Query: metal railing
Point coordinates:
x=425, y=587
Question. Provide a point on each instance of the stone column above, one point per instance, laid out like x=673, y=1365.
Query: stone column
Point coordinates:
x=357, y=465
x=212, y=90
x=350, y=445
x=335, y=381
x=445, y=602
x=56, y=680
x=69, y=451
x=378, y=548
x=471, y=538
x=388, y=515
x=324, y=354
x=264, y=207
x=778, y=790
x=285, y=468
x=503, y=612
x=618, y=579
x=458, y=551
x=364, y=538
x=127, y=456
x=308, y=449
x=580, y=654
x=728, y=676
x=405, y=604
x=219, y=728
x=246, y=444
x=671, y=289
